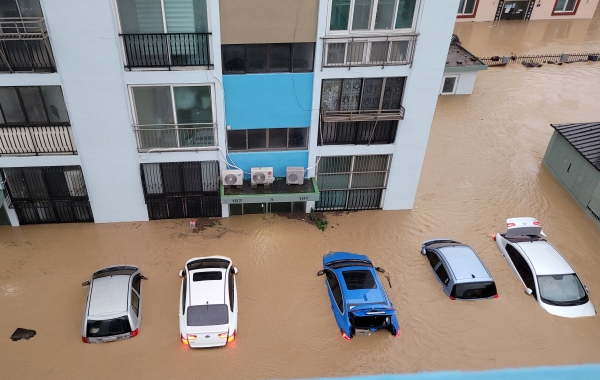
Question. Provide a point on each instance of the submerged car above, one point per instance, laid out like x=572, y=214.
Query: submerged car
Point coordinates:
x=208, y=305
x=460, y=271
x=543, y=270
x=113, y=310
x=358, y=300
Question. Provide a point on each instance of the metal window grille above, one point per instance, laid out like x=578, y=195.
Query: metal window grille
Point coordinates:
x=55, y=194
x=390, y=50
x=352, y=182
x=181, y=189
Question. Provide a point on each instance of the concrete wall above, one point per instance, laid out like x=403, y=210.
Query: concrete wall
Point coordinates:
x=268, y=100
x=278, y=160
x=268, y=21
x=90, y=62
x=465, y=82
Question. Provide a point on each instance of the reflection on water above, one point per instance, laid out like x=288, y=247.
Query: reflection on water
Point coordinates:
x=530, y=37
x=483, y=165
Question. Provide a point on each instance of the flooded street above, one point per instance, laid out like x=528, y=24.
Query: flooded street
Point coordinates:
x=483, y=165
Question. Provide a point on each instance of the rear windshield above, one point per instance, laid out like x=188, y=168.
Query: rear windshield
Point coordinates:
x=371, y=321
x=359, y=279
x=108, y=327
x=207, y=315
x=207, y=276
x=474, y=290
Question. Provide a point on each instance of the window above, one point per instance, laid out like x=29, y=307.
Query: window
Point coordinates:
x=231, y=289
x=108, y=327
x=351, y=182
x=33, y=105
x=359, y=279
x=163, y=16
x=354, y=94
x=442, y=274
x=371, y=15
x=174, y=116
x=368, y=51
x=433, y=258
x=135, y=303
x=136, y=283
x=207, y=276
x=336, y=291
x=268, y=58
x=522, y=268
x=474, y=290
x=449, y=85
x=467, y=7
x=267, y=139
x=183, y=291
x=566, y=6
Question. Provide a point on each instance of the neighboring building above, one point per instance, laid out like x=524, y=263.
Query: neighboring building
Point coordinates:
x=461, y=70
x=495, y=10
x=573, y=156
x=131, y=110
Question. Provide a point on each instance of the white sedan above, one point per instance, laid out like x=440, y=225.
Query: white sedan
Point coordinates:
x=544, y=272
x=208, y=304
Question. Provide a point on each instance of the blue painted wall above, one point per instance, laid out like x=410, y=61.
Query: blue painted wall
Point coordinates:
x=278, y=160
x=254, y=101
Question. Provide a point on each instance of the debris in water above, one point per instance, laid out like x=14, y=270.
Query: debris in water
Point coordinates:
x=22, y=334
x=193, y=223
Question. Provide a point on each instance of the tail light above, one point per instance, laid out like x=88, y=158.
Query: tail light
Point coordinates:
x=223, y=335
x=135, y=332
x=510, y=224
x=495, y=295
x=452, y=298
x=494, y=237
x=344, y=335
x=184, y=341
x=191, y=338
x=398, y=333
x=231, y=337
x=84, y=339
x=536, y=223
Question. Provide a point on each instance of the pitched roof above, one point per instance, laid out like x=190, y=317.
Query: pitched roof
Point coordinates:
x=585, y=137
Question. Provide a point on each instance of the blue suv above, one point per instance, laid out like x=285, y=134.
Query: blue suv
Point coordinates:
x=358, y=300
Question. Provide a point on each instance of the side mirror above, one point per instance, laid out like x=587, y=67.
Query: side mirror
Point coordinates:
x=85, y=283
x=380, y=269
x=423, y=251
x=233, y=270
x=528, y=291
x=321, y=272
x=586, y=289
x=143, y=277
x=181, y=273
x=542, y=233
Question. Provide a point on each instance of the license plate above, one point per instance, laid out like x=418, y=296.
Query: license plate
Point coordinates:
x=362, y=332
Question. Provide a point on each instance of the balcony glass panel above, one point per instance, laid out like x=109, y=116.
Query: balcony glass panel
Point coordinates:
x=11, y=106
x=340, y=11
x=153, y=105
x=406, y=11
x=384, y=15
x=362, y=15
x=34, y=107
x=55, y=104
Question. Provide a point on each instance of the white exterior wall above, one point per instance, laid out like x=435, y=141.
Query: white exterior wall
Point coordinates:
x=434, y=24
x=465, y=82
x=87, y=48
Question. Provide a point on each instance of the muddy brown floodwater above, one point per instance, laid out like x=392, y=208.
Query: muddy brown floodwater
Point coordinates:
x=483, y=165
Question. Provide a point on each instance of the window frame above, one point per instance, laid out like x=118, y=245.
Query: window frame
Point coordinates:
x=360, y=96
x=372, y=18
x=172, y=86
x=564, y=12
x=20, y=98
x=468, y=15
x=453, y=92
x=268, y=59
x=441, y=265
x=267, y=134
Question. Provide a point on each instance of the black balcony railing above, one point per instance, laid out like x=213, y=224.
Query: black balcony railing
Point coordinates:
x=36, y=140
x=167, y=50
x=24, y=45
x=357, y=132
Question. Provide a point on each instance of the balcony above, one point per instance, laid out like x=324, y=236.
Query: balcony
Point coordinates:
x=167, y=50
x=24, y=45
x=387, y=50
x=176, y=136
x=36, y=140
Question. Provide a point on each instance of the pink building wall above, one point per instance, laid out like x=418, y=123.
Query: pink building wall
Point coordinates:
x=543, y=9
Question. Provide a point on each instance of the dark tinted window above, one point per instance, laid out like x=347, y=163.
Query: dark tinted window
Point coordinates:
x=522, y=268
x=280, y=58
x=207, y=276
x=234, y=58
x=135, y=303
x=334, y=285
x=303, y=57
x=109, y=327
x=297, y=138
x=256, y=58
x=236, y=140
x=278, y=138
x=231, y=288
x=433, y=258
x=183, y=292
x=257, y=138
x=136, y=283
x=359, y=279
x=442, y=274
x=474, y=290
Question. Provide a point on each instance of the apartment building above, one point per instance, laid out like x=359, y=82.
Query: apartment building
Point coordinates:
x=130, y=110
x=497, y=10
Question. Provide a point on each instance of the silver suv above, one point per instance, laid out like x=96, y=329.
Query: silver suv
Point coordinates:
x=113, y=310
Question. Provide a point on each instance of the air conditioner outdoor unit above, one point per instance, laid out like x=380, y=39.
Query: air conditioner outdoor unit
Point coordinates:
x=233, y=177
x=294, y=175
x=261, y=176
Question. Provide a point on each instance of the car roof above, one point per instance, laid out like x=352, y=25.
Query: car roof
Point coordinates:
x=361, y=296
x=545, y=258
x=464, y=262
x=109, y=295
x=211, y=292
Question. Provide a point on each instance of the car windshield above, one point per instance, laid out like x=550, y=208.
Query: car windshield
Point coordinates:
x=474, y=290
x=108, y=327
x=562, y=290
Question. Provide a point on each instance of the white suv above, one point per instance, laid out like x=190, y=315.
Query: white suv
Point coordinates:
x=113, y=310
x=208, y=304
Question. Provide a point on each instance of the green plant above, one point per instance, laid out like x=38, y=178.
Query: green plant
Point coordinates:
x=312, y=215
x=215, y=223
x=322, y=224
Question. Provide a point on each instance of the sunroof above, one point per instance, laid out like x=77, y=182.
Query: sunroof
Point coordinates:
x=359, y=279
